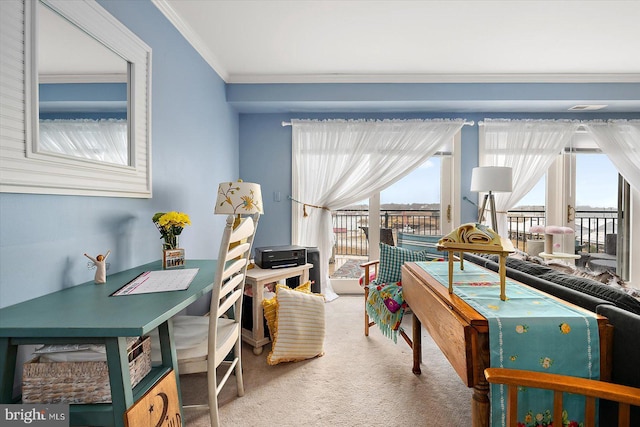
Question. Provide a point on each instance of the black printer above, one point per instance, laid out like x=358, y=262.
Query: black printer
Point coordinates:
x=280, y=256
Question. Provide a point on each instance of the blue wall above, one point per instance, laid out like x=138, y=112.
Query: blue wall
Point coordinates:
x=194, y=147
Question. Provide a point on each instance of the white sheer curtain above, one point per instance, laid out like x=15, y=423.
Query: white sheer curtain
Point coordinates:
x=529, y=147
x=104, y=140
x=620, y=141
x=339, y=162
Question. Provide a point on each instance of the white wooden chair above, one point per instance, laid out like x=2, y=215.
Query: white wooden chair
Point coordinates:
x=209, y=339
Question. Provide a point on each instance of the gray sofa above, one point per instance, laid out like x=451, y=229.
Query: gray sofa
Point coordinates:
x=621, y=309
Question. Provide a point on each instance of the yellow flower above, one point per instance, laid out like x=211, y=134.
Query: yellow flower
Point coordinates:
x=521, y=329
x=565, y=328
x=174, y=219
x=247, y=202
x=170, y=225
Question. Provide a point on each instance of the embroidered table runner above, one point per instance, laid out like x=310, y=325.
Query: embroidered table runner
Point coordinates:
x=528, y=331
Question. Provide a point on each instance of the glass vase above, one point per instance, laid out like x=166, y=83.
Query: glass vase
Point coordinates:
x=171, y=242
x=172, y=255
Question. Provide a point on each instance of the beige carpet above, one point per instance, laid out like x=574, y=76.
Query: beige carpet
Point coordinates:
x=360, y=381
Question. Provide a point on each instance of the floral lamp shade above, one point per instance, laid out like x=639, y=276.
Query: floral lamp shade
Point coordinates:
x=238, y=198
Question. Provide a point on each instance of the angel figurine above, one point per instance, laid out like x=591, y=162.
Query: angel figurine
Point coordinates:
x=100, y=263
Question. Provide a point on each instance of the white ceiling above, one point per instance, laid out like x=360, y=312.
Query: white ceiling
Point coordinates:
x=289, y=41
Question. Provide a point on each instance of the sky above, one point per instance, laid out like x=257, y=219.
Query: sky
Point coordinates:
x=420, y=186
x=596, y=176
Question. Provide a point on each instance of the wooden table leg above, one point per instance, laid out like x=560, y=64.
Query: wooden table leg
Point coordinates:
x=480, y=403
x=480, y=407
x=417, y=344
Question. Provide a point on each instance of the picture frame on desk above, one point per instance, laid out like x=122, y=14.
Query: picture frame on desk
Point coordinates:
x=173, y=258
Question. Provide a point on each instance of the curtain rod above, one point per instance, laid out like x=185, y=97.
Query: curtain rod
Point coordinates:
x=469, y=123
x=581, y=125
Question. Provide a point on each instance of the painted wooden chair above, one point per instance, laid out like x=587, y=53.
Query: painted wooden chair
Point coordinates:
x=205, y=343
x=513, y=378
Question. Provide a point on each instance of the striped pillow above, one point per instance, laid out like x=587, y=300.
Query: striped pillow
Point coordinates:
x=270, y=305
x=300, y=326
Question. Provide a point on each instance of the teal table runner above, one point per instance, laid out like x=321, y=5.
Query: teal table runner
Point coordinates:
x=528, y=331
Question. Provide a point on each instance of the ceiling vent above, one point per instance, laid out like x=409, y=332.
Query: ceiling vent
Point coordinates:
x=587, y=107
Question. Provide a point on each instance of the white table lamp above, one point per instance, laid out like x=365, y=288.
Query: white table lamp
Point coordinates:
x=491, y=179
x=239, y=198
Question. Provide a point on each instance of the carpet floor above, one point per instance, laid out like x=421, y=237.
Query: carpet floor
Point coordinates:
x=360, y=381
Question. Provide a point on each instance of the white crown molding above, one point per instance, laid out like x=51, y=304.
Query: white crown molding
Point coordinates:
x=187, y=32
x=435, y=78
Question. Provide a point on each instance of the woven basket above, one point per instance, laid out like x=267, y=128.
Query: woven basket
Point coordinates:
x=79, y=382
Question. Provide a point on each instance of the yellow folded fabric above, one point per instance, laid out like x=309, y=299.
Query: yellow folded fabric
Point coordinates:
x=472, y=233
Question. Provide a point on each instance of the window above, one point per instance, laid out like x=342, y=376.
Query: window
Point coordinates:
x=432, y=187
x=583, y=190
x=420, y=203
x=412, y=205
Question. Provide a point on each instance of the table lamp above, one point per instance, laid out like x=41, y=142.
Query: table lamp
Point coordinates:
x=492, y=179
x=239, y=198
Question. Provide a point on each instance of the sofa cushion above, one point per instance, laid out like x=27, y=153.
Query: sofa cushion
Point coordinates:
x=596, y=289
x=481, y=261
x=528, y=267
x=573, y=296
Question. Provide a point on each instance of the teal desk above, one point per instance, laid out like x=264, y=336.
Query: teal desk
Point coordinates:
x=87, y=314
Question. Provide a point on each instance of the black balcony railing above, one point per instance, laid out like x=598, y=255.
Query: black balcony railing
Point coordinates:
x=350, y=227
x=593, y=227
